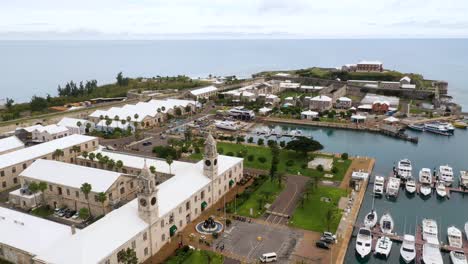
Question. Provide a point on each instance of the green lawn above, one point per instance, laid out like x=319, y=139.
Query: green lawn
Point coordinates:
x=42, y=212
x=271, y=188
x=196, y=257
x=312, y=216
x=297, y=161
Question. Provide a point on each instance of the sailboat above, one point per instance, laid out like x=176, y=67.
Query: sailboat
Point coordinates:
x=370, y=220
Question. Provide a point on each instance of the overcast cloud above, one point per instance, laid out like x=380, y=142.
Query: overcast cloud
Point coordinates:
x=144, y=19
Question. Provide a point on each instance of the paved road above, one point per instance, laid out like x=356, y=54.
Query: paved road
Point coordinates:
x=287, y=200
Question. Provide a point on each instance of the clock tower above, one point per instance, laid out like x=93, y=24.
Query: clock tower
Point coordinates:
x=147, y=196
x=210, y=158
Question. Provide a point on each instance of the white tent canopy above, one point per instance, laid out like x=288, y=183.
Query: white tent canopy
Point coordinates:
x=391, y=119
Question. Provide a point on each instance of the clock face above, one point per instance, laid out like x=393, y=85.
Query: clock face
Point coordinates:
x=153, y=201
x=143, y=202
x=207, y=162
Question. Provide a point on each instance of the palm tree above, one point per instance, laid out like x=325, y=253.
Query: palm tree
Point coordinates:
x=281, y=177
x=79, y=124
x=57, y=154
x=158, y=110
x=169, y=162
x=110, y=164
x=86, y=189
x=88, y=127
x=75, y=150
x=34, y=188
x=91, y=156
x=102, y=197
x=42, y=186
x=85, y=154
x=129, y=119
x=116, y=118
x=136, y=116
x=119, y=164
x=152, y=169
x=99, y=156
x=101, y=117
x=163, y=108
x=108, y=122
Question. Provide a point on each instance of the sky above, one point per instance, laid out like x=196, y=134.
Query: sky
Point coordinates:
x=219, y=19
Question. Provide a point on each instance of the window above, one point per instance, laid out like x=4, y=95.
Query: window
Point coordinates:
x=180, y=210
x=171, y=218
x=146, y=251
x=225, y=187
x=196, y=211
x=4, y=184
x=209, y=188
x=59, y=190
x=180, y=223
x=133, y=244
x=187, y=206
x=24, y=165
x=15, y=180
x=196, y=198
x=96, y=198
x=145, y=236
x=202, y=195
x=13, y=170
x=122, y=190
x=86, y=145
x=230, y=174
x=131, y=185
x=94, y=143
x=110, y=196
x=68, y=191
x=163, y=237
x=77, y=194
x=219, y=192
x=70, y=151
x=162, y=224
x=219, y=181
x=50, y=187
x=2, y=173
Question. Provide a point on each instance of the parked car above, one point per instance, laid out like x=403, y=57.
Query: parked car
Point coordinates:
x=322, y=244
x=61, y=212
x=75, y=216
x=147, y=143
x=327, y=239
x=330, y=235
x=70, y=213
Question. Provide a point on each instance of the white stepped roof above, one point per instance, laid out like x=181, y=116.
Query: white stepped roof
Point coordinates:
x=51, y=129
x=370, y=62
x=30, y=233
x=70, y=174
x=203, y=90
x=309, y=113
x=42, y=149
x=10, y=143
x=323, y=98
x=72, y=122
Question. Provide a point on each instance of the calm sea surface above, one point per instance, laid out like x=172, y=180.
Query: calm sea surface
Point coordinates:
x=408, y=211
x=37, y=67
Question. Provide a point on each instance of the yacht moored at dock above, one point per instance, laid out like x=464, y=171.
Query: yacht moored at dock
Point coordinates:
x=441, y=189
x=383, y=246
x=227, y=125
x=431, y=254
x=445, y=173
x=370, y=220
x=458, y=257
x=430, y=231
x=386, y=223
x=455, y=237
x=364, y=242
x=410, y=185
x=404, y=169
x=379, y=183
x=463, y=180
x=408, y=248
x=425, y=178
x=393, y=186
x=416, y=127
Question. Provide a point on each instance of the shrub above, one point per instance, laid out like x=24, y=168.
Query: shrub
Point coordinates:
x=250, y=157
x=250, y=140
x=262, y=159
x=320, y=167
x=289, y=163
x=198, y=150
x=215, y=235
x=282, y=144
x=240, y=154
x=230, y=153
x=228, y=222
x=271, y=142
x=220, y=150
x=334, y=169
x=260, y=141
x=304, y=166
x=344, y=156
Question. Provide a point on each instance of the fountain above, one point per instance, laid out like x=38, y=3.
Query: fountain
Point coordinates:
x=209, y=226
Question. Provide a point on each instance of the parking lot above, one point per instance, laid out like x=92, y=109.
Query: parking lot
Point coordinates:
x=250, y=240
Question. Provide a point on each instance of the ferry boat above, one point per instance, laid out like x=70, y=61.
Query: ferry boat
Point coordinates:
x=431, y=254
x=463, y=179
x=410, y=185
x=383, y=246
x=445, y=174
x=441, y=189
x=458, y=257
x=227, y=125
x=404, y=169
x=364, y=242
x=437, y=128
x=408, y=248
x=393, y=186
x=430, y=231
x=416, y=127
x=386, y=223
x=379, y=185
x=455, y=237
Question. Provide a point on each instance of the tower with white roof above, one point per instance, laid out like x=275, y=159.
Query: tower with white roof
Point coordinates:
x=210, y=158
x=148, y=208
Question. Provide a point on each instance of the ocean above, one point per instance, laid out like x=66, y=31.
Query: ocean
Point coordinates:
x=37, y=67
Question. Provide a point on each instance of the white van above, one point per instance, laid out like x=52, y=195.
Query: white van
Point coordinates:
x=268, y=257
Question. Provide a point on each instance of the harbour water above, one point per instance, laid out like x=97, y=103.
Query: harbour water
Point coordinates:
x=37, y=67
x=408, y=211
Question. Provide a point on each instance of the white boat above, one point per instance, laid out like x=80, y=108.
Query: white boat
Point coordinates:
x=410, y=185
x=463, y=179
x=364, y=242
x=431, y=254
x=466, y=230
x=379, y=185
x=450, y=128
x=408, y=249
x=404, y=169
x=425, y=176
x=386, y=223
x=383, y=246
x=436, y=128
x=370, y=220
x=295, y=133
x=445, y=174
x=430, y=231
x=425, y=189
x=458, y=257
x=227, y=125
x=455, y=237
x=393, y=186
x=441, y=189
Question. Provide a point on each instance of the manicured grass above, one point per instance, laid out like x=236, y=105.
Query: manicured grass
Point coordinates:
x=42, y=212
x=271, y=188
x=196, y=257
x=297, y=166
x=312, y=216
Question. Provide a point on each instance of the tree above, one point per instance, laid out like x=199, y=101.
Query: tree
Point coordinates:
x=250, y=139
x=281, y=177
x=119, y=164
x=274, y=160
x=108, y=123
x=260, y=141
x=127, y=256
x=344, y=156
x=88, y=127
x=34, y=188
x=178, y=111
x=91, y=156
x=330, y=216
x=282, y=144
x=83, y=213
x=152, y=169
x=86, y=189
x=304, y=145
x=38, y=104
x=75, y=149
x=79, y=124
x=57, y=154
x=102, y=197
x=122, y=81
x=169, y=162
x=85, y=154
x=320, y=167
x=9, y=103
